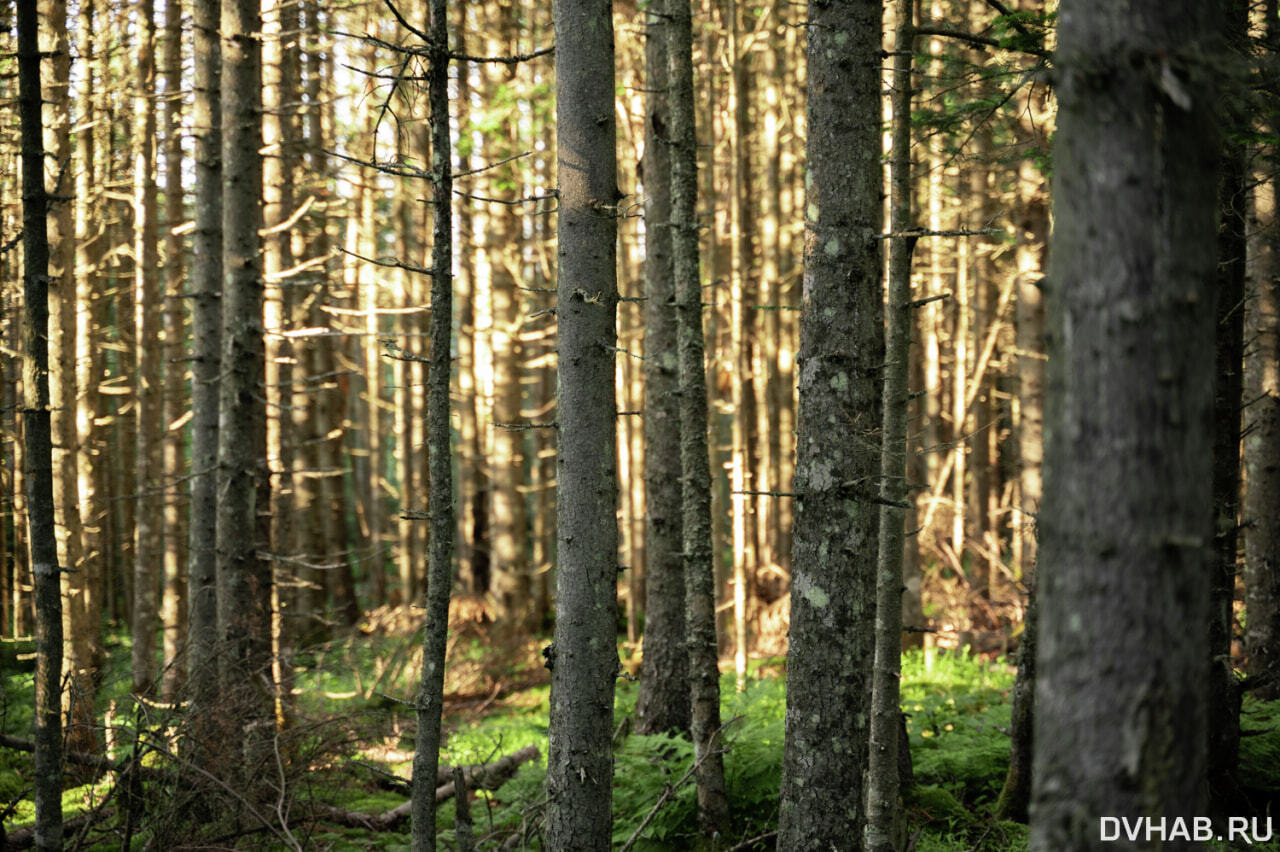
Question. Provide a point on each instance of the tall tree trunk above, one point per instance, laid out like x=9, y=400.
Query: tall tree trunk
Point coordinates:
x=426, y=756
x=583, y=659
x=663, y=700
x=1262, y=441
x=38, y=438
x=883, y=811
x=838, y=439
x=173, y=607
x=1127, y=521
x=77, y=698
x=695, y=464
x=1224, y=692
x=147, y=530
x=279, y=72
x=206, y=370
x=244, y=575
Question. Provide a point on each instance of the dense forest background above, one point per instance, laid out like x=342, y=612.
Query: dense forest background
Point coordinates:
x=342, y=491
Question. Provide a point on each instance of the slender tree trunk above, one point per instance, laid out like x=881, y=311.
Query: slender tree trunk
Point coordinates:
x=1127, y=521
x=883, y=810
x=699, y=557
x=147, y=529
x=206, y=368
x=38, y=438
x=583, y=658
x=838, y=439
x=1224, y=692
x=426, y=756
x=174, y=602
x=663, y=701
x=1262, y=441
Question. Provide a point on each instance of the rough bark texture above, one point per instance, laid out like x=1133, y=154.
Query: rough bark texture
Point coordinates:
x=426, y=756
x=206, y=334
x=695, y=463
x=838, y=437
x=77, y=698
x=38, y=440
x=244, y=576
x=663, y=700
x=583, y=657
x=1126, y=533
x=883, y=810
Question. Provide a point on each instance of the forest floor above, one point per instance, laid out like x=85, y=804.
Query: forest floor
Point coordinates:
x=349, y=747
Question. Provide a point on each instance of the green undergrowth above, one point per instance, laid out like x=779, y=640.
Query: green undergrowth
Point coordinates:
x=353, y=736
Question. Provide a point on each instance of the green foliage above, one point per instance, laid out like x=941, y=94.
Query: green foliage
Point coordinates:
x=1260, y=744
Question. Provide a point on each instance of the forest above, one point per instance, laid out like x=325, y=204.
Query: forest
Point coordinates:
x=639, y=424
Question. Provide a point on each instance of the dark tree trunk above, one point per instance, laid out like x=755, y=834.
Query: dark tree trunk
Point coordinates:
x=206, y=368
x=244, y=576
x=663, y=702
x=1224, y=692
x=838, y=438
x=583, y=657
x=1126, y=530
x=426, y=757
x=37, y=439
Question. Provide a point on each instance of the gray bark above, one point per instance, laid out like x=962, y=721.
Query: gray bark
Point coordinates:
x=38, y=439
x=426, y=756
x=206, y=335
x=883, y=797
x=583, y=657
x=695, y=463
x=244, y=576
x=1126, y=529
x=663, y=702
x=838, y=438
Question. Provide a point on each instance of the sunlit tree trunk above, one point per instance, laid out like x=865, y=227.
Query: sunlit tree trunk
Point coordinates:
x=173, y=614
x=148, y=532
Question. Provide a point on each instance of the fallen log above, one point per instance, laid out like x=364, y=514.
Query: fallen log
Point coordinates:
x=487, y=776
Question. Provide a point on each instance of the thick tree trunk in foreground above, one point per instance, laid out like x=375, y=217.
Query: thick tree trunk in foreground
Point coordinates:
x=38, y=439
x=583, y=657
x=1126, y=533
x=663, y=702
x=426, y=757
x=838, y=439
